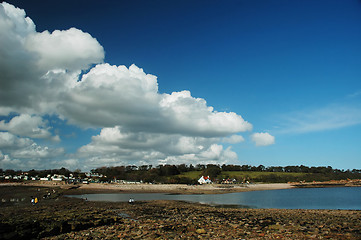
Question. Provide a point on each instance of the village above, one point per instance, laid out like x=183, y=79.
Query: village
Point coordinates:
x=90, y=177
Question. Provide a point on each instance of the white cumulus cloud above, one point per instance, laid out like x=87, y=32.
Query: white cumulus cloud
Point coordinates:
x=26, y=125
x=116, y=146
x=130, y=98
x=193, y=116
x=70, y=49
x=24, y=153
x=113, y=95
x=28, y=57
x=41, y=75
x=233, y=139
x=263, y=139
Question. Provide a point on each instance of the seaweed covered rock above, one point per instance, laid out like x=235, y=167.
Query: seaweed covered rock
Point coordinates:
x=70, y=218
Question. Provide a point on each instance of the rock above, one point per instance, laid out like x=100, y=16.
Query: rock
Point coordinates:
x=201, y=231
x=171, y=220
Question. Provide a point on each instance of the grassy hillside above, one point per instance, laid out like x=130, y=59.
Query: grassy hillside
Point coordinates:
x=248, y=174
x=195, y=175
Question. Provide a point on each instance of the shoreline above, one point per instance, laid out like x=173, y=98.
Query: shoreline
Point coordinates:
x=340, y=183
x=156, y=188
x=182, y=189
x=90, y=188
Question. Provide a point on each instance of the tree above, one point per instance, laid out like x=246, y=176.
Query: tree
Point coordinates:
x=76, y=173
x=145, y=167
x=246, y=168
x=191, y=167
x=261, y=168
x=183, y=168
x=9, y=172
x=33, y=173
x=275, y=169
x=212, y=172
x=231, y=167
x=200, y=167
x=64, y=171
x=168, y=170
x=131, y=168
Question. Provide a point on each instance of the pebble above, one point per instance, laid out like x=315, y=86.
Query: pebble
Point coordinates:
x=201, y=231
x=177, y=220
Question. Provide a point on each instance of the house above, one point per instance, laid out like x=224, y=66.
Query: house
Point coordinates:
x=228, y=181
x=57, y=177
x=204, y=180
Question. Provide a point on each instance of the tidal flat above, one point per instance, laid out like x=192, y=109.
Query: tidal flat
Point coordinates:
x=58, y=217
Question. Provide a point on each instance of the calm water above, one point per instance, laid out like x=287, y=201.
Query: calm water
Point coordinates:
x=296, y=198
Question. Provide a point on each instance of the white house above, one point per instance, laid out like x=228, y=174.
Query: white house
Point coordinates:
x=58, y=177
x=204, y=180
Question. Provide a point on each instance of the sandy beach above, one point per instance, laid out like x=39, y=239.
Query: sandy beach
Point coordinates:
x=183, y=189
x=161, y=188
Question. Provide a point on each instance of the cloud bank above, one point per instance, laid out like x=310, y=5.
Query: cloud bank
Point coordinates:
x=41, y=76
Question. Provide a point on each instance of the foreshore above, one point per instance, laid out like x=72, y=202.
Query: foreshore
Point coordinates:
x=58, y=217
x=157, y=188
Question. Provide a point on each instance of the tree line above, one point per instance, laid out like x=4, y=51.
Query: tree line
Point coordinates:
x=177, y=173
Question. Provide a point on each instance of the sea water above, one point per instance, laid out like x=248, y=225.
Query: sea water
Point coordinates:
x=295, y=198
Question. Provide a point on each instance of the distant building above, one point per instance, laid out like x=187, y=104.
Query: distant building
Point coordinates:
x=204, y=180
x=228, y=181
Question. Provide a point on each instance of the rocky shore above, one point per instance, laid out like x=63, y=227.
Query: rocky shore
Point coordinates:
x=58, y=217
x=333, y=183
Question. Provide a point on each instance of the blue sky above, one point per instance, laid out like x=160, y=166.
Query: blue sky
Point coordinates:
x=289, y=69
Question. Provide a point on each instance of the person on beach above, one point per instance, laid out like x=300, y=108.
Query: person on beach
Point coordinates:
x=36, y=200
x=32, y=200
